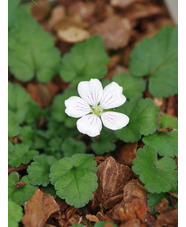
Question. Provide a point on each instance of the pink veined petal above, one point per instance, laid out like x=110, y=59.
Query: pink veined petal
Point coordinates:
x=114, y=120
x=90, y=125
x=91, y=91
x=76, y=107
x=112, y=96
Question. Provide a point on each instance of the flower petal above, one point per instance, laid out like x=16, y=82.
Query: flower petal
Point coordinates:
x=112, y=96
x=90, y=125
x=114, y=120
x=76, y=107
x=91, y=91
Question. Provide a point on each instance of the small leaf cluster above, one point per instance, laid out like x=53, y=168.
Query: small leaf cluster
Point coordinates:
x=155, y=164
x=158, y=58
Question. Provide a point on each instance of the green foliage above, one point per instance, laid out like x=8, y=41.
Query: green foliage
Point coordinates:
x=32, y=52
x=154, y=199
x=167, y=121
x=22, y=194
x=132, y=86
x=15, y=214
x=85, y=61
x=157, y=175
x=13, y=126
x=15, y=11
x=58, y=107
x=77, y=225
x=143, y=117
x=39, y=170
x=158, y=58
x=102, y=223
x=74, y=179
x=71, y=146
x=104, y=143
x=21, y=155
x=165, y=143
x=18, y=101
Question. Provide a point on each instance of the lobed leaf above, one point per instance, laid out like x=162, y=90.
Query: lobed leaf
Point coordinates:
x=32, y=52
x=157, y=175
x=158, y=58
x=133, y=87
x=143, y=117
x=74, y=179
x=85, y=61
x=22, y=194
x=15, y=214
x=165, y=143
x=21, y=155
x=39, y=170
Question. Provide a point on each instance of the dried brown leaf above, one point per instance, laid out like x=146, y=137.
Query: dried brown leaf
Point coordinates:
x=92, y=218
x=168, y=218
x=132, y=223
x=103, y=217
x=58, y=14
x=127, y=153
x=133, y=189
x=40, y=10
x=162, y=206
x=115, y=31
x=38, y=209
x=139, y=11
x=112, y=176
x=83, y=11
x=72, y=34
x=122, y=3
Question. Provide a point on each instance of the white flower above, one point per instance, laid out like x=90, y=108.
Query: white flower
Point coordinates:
x=91, y=107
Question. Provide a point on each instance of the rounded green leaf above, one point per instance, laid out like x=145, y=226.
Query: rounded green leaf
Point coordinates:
x=74, y=179
x=86, y=60
x=143, y=119
x=22, y=194
x=39, y=170
x=133, y=87
x=15, y=214
x=158, y=176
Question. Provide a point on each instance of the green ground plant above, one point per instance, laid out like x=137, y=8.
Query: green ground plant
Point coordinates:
x=60, y=156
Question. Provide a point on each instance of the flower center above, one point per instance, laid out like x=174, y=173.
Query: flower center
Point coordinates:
x=97, y=110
